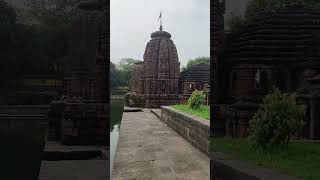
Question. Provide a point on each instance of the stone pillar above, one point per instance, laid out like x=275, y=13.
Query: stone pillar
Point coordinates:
x=217, y=114
x=312, y=119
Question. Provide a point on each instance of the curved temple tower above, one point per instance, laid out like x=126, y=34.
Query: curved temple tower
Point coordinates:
x=155, y=80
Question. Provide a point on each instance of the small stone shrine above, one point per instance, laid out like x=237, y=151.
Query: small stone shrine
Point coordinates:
x=197, y=77
x=155, y=80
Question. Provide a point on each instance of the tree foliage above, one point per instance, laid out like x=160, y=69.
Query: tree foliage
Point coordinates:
x=277, y=121
x=7, y=13
x=41, y=38
x=9, y=68
x=49, y=13
x=236, y=23
x=34, y=38
x=120, y=74
x=256, y=8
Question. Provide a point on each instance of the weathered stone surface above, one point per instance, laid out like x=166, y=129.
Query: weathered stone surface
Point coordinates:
x=81, y=117
x=279, y=49
x=196, y=77
x=149, y=149
x=86, y=65
x=155, y=81
x=226, y=167
x=74, y=170
x=78, y=123
x=193, y=129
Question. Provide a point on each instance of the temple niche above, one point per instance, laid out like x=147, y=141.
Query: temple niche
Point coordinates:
x=155, y=81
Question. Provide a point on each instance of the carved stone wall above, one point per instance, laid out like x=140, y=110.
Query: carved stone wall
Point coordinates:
x=161, y=65
x=137, y=83
x=157, y=78
x=279, y=50
x=82, y=117
x=85, y=68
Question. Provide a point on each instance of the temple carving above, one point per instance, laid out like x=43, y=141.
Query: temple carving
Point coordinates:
x=280, y=49
x=155, y=81
x=80, y=117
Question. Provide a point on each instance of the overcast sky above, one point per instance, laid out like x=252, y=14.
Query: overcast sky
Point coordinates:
x=133, y=21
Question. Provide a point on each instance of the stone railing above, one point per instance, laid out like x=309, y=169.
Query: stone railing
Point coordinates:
x=192, y=128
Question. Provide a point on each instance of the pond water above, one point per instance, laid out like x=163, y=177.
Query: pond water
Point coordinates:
x=115, y=119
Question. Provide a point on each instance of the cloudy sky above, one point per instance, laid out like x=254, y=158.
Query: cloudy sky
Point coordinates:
x=133, y=21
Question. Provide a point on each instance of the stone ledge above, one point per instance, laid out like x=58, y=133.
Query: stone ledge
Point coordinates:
x=192, y=128
x=187, y=115
x=224, y=166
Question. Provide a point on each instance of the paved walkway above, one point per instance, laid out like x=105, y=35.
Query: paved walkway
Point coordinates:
x=149, y=149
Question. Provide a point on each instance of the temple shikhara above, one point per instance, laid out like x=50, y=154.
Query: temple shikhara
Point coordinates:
x=155, y=80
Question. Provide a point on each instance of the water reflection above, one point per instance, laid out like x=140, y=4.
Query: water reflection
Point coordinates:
x=114, y=135
x=116, y=115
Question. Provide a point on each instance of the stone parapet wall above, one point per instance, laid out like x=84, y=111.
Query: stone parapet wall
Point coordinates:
x=135, y=100
x=158, y=100
x=223, y=167
x=192, y=128
x=151, y=100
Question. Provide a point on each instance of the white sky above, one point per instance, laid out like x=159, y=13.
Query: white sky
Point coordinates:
x=133, y=21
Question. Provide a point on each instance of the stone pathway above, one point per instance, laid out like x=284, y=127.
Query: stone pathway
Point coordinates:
x=149, y=149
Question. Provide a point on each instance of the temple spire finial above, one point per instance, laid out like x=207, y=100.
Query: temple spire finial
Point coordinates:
x=160, y=18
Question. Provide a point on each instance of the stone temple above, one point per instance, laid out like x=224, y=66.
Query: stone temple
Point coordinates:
x=81, y=116
x=155, y=80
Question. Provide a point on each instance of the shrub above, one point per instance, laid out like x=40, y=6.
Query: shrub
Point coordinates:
x=236, y=23
x=278, y=119
x=196, y=99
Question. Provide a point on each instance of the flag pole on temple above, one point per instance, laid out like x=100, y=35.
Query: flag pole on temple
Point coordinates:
x=160, y=18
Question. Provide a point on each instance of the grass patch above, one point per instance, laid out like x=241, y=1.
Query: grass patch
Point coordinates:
x=301, y=160
x=203, y=111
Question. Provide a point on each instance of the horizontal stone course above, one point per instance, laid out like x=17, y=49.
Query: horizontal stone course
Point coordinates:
x=192, y=128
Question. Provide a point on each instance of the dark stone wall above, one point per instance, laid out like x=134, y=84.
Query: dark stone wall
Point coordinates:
x=78, y=123
x=224, y=167
x=193, y=129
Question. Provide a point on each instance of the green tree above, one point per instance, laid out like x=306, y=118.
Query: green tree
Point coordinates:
x=236, y=23
x=126, y=64
x=257, y=8
x=120, y=74
x=43, y=41
x=49, y=13
x=124, y=70
x=113, y=75
x=198, y=60
x=276, y=122
x=9, y=68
